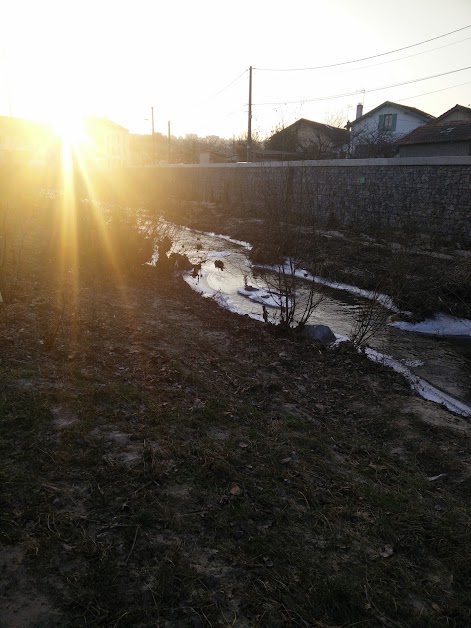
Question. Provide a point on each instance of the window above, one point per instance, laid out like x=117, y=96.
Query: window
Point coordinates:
x=387, y=122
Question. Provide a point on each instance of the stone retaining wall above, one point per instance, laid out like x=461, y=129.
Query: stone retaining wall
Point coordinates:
x=432, y=195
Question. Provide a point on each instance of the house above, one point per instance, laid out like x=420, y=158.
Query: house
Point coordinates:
x=23, y=141
x=449, y=134
x=107, y=143
x=373, y=134
x=307, y=139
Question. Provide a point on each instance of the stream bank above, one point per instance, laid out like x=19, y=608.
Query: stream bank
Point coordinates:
x=438, y=367
x=167, y=462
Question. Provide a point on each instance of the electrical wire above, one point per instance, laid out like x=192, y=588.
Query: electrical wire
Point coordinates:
x=382, y=54
x=227, y=86
x=443, y=89
x=375, y=89
x=416, y=54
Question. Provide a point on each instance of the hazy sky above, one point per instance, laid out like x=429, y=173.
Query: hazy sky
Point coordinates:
x=119, y=58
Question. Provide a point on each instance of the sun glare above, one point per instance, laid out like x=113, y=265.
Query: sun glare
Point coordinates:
x=70, y=129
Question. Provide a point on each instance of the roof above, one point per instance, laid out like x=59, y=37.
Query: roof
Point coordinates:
x=456, y=131
x=466, y=111
x=417, y=112
x=103, y=123
x=335, y=134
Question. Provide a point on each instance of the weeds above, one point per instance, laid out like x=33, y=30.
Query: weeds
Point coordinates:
x=370, y=318
x=287, y=245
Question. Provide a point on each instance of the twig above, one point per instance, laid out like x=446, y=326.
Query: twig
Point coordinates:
x=132, y=547
x=120, y=618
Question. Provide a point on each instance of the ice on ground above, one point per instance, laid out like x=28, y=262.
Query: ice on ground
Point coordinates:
x=439, y=325
x=421, y=386
x=201, y=285
x=245, y=245
x=265, y=297
x=382, y=299
x=218, y=254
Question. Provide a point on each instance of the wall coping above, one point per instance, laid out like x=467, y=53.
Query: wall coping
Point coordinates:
x=335, y=163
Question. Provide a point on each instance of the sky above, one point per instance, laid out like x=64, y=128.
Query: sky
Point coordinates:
x=189, y=60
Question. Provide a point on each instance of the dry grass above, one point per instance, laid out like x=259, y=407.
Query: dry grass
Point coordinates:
x=168, y=463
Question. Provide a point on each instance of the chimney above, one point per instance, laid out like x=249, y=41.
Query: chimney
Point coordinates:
x=359, y=111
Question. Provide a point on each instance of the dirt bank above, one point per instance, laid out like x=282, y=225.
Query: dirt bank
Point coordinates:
x=165, y=462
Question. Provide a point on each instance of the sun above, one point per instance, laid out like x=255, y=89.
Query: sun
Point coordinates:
x=70, y=129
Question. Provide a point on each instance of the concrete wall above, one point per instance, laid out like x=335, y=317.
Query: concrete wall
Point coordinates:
x=427, y=194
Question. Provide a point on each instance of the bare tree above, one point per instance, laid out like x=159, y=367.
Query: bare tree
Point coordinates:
x=371, y=142
x=289, y=239
x=239, y=145
x=187, y=149
x=337, y=119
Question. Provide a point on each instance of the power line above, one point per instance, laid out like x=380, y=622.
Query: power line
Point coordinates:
x=202, y=103
x=416, y=54
x=443, y=89
x=382, y=54
x=227, y=86
x=375, y=89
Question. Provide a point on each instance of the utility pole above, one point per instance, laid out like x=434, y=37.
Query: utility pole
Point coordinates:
x=7, y=81
x=168, y=143
x=249, y=130
x=153, y=137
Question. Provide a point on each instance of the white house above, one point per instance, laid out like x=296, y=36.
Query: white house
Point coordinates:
x=373, y=133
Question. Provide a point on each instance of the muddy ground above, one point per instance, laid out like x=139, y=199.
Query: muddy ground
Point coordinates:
x=168, y=463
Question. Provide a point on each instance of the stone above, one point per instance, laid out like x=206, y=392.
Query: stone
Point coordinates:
x=320, y=333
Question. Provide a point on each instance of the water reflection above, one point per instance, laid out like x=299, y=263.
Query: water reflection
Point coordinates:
x=444, y=362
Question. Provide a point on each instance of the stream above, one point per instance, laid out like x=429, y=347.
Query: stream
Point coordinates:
x=444, y=362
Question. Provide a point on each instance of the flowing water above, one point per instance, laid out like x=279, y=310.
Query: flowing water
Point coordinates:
x=228, y=276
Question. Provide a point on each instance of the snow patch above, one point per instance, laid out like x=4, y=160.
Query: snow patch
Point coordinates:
x=382, y=299
x=265, y=297
x=439, y=325
x=218, y=254
x=421, y=386
x=245, y=245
